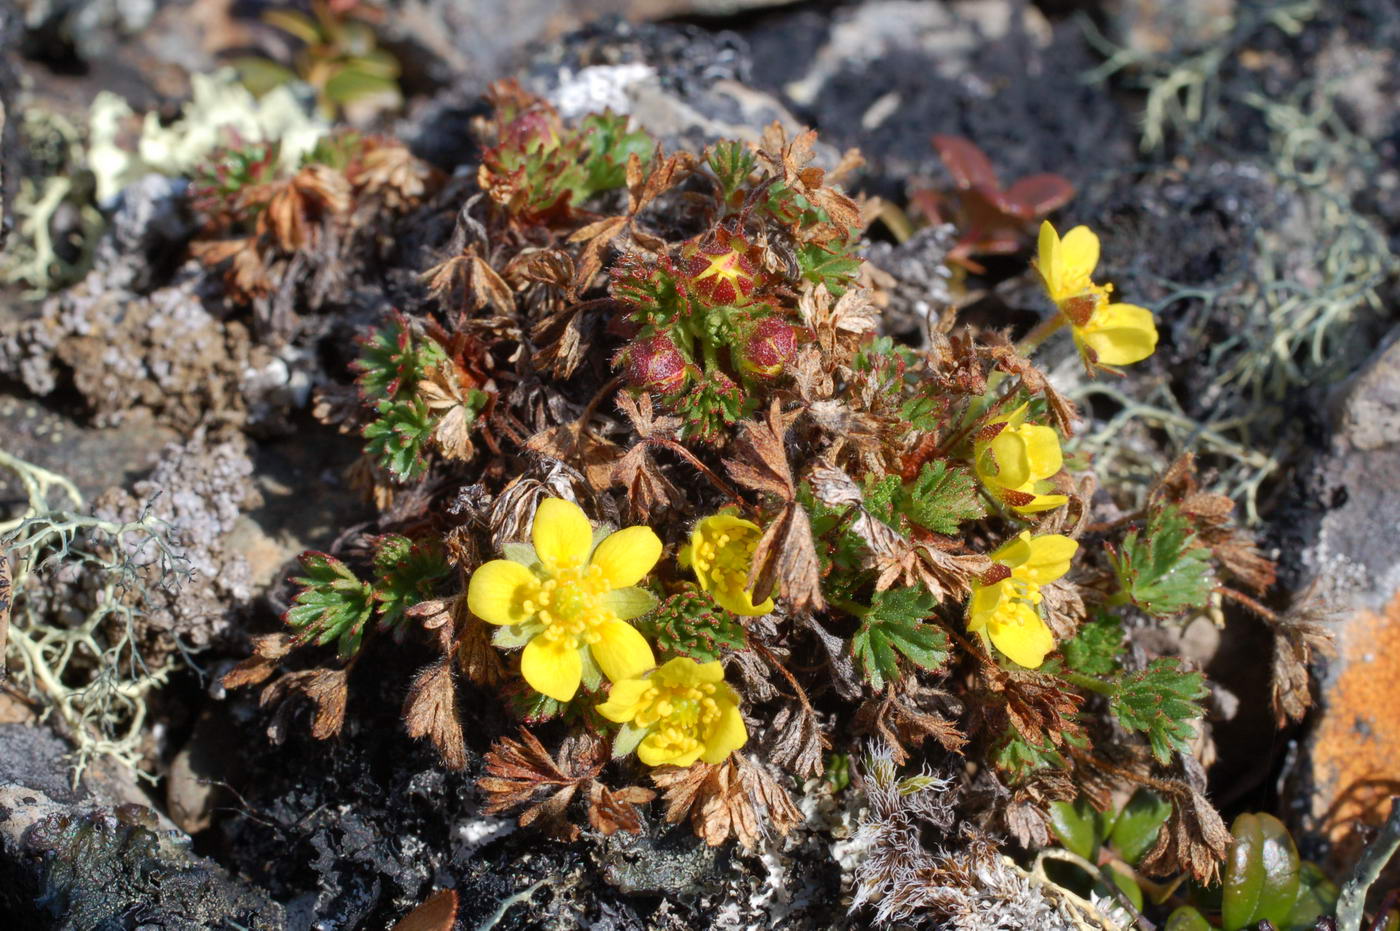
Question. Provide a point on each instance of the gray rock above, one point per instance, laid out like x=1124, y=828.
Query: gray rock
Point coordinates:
x=1355, y=557
x=82, y=866
x=672, y=863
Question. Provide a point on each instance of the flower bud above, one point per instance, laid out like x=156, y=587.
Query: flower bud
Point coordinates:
x=770, y=346
x=656, y=364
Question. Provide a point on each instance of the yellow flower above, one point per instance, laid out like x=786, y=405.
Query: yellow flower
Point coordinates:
x=720, y=553
x=1104, y=333
x=1005, y=603
x=677, y=714
x=567, y=601
x=1014, y=459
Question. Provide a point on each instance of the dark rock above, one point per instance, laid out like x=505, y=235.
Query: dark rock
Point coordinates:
x=672, y=863
x=83, y=867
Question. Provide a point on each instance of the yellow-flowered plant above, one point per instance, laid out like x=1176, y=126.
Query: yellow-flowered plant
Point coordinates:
x=1105, y=333
x=720, y=553
x=567, y=601
x=676, y=714
x=1015, y=459
x=1006, y=603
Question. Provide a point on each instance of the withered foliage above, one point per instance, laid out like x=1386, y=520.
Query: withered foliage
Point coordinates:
x=737, y=797
x=521, y=773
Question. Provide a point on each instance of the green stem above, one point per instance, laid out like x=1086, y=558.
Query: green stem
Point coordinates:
x=1042, y=332
x=1088, y=682
x=850, y=607
x=1118, y=599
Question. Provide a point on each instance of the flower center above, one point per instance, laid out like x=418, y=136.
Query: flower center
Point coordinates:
x=1021, y=590
x=570, y=605
x=727, y=557
x=679, y=715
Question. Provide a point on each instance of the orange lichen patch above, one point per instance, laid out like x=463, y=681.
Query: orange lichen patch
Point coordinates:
x=1356, y=748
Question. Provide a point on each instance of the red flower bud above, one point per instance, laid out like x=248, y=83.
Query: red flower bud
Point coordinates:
x=770, y=346
x=656, y=364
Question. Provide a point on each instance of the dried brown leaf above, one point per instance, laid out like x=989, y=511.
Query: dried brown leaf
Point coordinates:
x=1194, y=839
x=268, y=650
x=737, y=797
x=430, y=710
x=902, y=719
x=610, y=812
x=438, y=913
x=571, y=442
x=785, y=560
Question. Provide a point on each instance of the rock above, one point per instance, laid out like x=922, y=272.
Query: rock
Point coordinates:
x=197, y=490
x=1348, y=770
x=80, y=866
x=93, y=458
x=1154, y=27
x=884, y=76
x=673, y=862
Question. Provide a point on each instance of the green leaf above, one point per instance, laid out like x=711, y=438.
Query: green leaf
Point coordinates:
x=1120, y=877
x=261, y=75
x=732, y=163
x=1164, y=569
x=332, y=604
x=393, y=359
x=408, y=572
x=399, y=436
x=1136, y=828
x=835, y=267
x=355, y=82
x=1317, y=897
x=895, y=624
x=691, y=624
x=1094, y=649
x=1261, y=873
x=1187, y=918
x=629, y=736
x=1080, y=826
x=942, y=499
x=1160, y=701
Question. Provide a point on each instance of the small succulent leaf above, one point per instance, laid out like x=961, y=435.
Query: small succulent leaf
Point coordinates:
x=1136, y=828
x=1080, y=826
x=1261, y=873
x=1186, y=918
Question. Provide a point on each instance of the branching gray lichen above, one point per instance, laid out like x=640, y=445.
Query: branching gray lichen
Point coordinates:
x=32, y=258
x=82, y=663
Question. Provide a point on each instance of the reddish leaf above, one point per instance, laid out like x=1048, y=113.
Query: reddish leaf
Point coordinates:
x=1036, y=195
x=967, y=163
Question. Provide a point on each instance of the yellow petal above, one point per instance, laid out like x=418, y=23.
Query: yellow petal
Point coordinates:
x=1048, y=247
x=1119, y=334
x=985, y=601
x=1079, y=251
x=621, y=652
x=1014, y=551
x=624, y=701
x=552, y=667
x=1049, y=558
x=709, y=672
x=627, y=556
x=728, y=734
x=1041, y=503
x=1042, y=449
x=740, y=603
x=562, y=535
x=1022, y=635
x=498, y=591
x=654, y=751
x=1010, y=462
